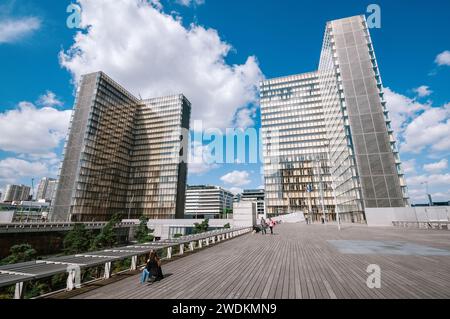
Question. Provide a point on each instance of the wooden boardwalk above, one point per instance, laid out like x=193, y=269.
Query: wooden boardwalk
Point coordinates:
x=299, y=261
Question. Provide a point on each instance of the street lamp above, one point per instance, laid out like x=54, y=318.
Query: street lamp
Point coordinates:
x=430, y=202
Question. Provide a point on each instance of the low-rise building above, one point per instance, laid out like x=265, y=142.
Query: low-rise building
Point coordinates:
x=207, y=201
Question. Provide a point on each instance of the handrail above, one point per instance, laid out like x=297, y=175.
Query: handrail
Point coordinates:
x=444, y=225
x=18, y=274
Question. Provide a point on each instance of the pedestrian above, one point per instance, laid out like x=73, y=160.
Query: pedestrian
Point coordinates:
x=271, y=225
x=152, y=269
x=263, y=226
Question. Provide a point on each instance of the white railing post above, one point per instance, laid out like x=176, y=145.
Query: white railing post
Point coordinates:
x=108, y=270
x=207, y=241
x=19, y=291
x=200, y=243
x=191, y=246
x=213, y=239
x=181, y=249
x=169, y=253
x=134, y=262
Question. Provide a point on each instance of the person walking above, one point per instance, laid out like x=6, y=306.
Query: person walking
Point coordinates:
x=263, y=226
x=271, y=225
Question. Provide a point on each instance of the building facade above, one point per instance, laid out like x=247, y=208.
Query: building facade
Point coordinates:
x=256, y=195
x=366, y=168
x=17, y=193
x=296, y=165
x=205, y=201
x=123, y=155
x=46, y=189
x=328, y=139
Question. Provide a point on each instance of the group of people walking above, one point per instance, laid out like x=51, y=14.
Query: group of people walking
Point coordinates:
x=265, y=224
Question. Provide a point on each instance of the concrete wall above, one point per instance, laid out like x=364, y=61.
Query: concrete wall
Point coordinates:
x=244, y=214
x=6, y=217
x=385, y=216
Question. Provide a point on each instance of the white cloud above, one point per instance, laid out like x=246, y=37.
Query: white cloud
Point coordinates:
x=236, y=190
x=32, y=130
x=429, y=131
x=245, y=118
x=436, y=167
x=153, y=54
x=200, y=159
x=402, y=109
x=409, y=167
x=188, y=3
x=12, y=170
x=423, y=91
x=236, y=178
x=13, y=30
x=49, y=99
x=443, y=58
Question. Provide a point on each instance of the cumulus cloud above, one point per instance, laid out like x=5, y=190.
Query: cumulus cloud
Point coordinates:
x=245, y=118
x=188, y=3
x=443, y=58
x=236, y=178
x=200, y=159
x=423, y=91
x=49, y=99
x=409, y=166
x=13, y=30
x=419, y=126
x=402, y=109
x=436, y=167
x=12, y=170
x=153, y=54
x=429, y=131
x=236, y=190
x=32, y=130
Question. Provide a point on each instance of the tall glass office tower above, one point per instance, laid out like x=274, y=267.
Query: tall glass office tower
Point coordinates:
x=339, y=116
x=123, y=155
x=297, y=170
x=366, y=166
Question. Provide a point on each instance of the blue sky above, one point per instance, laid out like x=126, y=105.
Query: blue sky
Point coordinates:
x=238, y=42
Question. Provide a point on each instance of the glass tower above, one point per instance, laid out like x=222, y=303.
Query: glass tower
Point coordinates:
x=296, y=166
x=366, y=166
x=328, y=142
x=122, y=155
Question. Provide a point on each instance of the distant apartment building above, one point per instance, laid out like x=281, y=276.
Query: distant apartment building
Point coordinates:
x=327, y=135
x=206, y=201
x=123, y=155
x=46, y=189
x=17, y=193
x=257, y=196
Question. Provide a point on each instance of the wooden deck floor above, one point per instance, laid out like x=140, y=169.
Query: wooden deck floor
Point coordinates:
x=299, y=261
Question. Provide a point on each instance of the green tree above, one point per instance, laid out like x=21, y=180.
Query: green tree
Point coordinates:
x=19, y=253
x=202, y=227
x=143, y=234
x=227, y=226
x=78, y=240
x=107, y=237
x=177, y=236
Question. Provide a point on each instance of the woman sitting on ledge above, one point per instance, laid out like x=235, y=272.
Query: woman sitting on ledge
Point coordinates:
x=153, y=268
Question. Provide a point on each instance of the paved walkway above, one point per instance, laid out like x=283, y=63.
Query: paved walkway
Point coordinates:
x=304, y=261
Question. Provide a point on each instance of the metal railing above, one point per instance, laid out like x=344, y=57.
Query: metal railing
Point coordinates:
x=45, y=226
x=438, y=225
x=18, y=274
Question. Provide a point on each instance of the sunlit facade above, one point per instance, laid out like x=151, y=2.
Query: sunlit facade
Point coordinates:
x=335, y=119
x=123, y=155
x=366, y=166
x=296, y=166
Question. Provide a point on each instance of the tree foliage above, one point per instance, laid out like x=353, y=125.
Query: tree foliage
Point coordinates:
x=107, y=237
x=202, y=227
x=143, y=234
x=20, y=253
x=78, y=240
x=227, y=226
